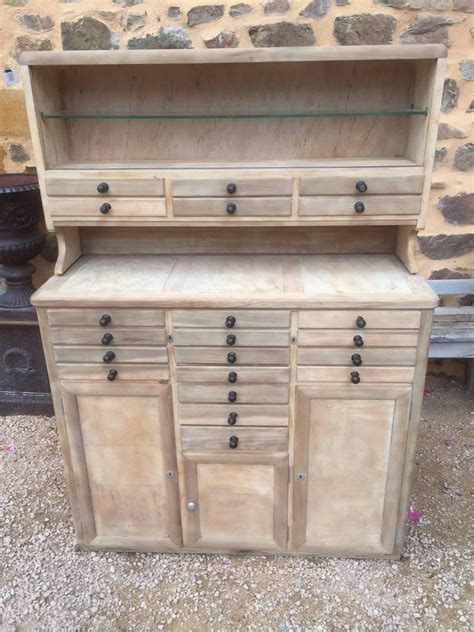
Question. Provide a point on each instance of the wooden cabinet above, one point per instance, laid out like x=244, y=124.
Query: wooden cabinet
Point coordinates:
x=123, y=463
x=350, y=448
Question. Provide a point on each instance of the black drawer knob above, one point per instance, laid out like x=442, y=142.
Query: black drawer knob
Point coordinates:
x=360, y=322
x=359, y=207
x=232, y=419
x=361, y=186
x=232, y=377
x=233, y=442
x=358, y=341
x=107, y=339
x=112, y=374
x=232, y=396
x=109, y=356
x=231, y=357
x=102, y=187
x=230, y=322
x=104, y=320
x=356, y=359
x=231, y=188
x=231, y=208
x=230, y=340
x=105, y=208
x=355, y=377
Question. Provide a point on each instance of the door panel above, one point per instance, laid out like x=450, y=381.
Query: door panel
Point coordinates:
x=241, y=501
x=122, y=446
x=349, y=456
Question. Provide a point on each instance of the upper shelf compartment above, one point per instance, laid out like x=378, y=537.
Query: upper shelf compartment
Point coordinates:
x=289, y=109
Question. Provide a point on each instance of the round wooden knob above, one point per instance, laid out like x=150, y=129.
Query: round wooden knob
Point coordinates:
x=358, y=341
x=361, y=186
x=105, y=208
x=102, y=187
x=355, y=377
x=231, y=188
x=231, y=208
x=359, y=207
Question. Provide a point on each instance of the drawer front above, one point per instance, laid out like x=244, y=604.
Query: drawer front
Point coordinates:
x=224, y=375
x=399, y=356
x=360, y=206
x=362, y=375
x=260, y=356
x=114, y=186
x=230, y=339
x=346, y=184
x=223, y=207
x=248, y=439
x=118, y=317
x=146, y=372
x=251, y=319
x=345, y=319
x=244, y=393
x=344, y=338
x=243, y=414
x=152, y=355
x=220, y=187
x=108, y=208
x=109, y=337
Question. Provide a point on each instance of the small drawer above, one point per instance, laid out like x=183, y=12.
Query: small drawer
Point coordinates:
x=107, y=208
x=363, y=319
x=233, y=414
x=108, y=337
x=106, y=317
x=355, y=339
x=242, y=375
x=117, y=372
x=231, y=187
x=231, y=319
x=223, y=207
x=356, y=375
x=399, y=356
x=231, y=339
x=201, y=439
x=233, y=394
x=363, y=182
x=151, y=355
x=358, y=206
x=259, y=356
x=106, y=185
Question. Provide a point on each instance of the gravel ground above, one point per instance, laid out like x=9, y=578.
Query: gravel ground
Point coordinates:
x=47, y=586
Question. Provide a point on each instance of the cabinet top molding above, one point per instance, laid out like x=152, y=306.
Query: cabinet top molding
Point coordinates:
x=232, y=56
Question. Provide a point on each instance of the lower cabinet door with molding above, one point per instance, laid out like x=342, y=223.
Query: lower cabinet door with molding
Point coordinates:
x=123, y=462
x=236, y=502
x=349, y=458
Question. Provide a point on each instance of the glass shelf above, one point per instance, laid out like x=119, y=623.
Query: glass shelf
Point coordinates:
x=211, y=117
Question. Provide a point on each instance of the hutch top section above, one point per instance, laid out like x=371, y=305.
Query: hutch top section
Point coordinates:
x=173, y=118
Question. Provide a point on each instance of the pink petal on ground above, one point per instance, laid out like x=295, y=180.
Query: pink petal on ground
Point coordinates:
x=414, y=514
x=9, y=448
x=448, y=443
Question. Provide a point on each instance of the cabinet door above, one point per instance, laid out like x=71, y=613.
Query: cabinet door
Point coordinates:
x=349, y=458
x=124, y=463
x=236, y=501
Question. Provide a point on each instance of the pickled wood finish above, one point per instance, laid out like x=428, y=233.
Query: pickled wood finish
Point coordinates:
x=374, y=205
x=247, y=414
x=379, y=182
x=128, y=372
x=350, y=448
x=200, y=439
x=252, y=375
x=382, y=356
x=93, y=336
x=243, y=338
x=343, y=338
x=72, y=353
x=69, y=248
x=379, y=374
x=130, y=185
x=193, y=187
x=196, y=207
x=246, y=393
x=120, y=317
x=242, y=501
x=344, y=319
x=130, y=208
x=120, y=461
x=263, y=356
x=248, y=318
x=406, y=248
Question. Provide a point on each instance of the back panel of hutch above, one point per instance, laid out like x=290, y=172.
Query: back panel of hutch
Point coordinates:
x=236, y=334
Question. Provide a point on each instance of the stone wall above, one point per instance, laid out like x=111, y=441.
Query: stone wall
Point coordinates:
x=445, y=246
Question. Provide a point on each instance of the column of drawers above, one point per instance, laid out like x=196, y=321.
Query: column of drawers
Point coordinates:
x=233, y=379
